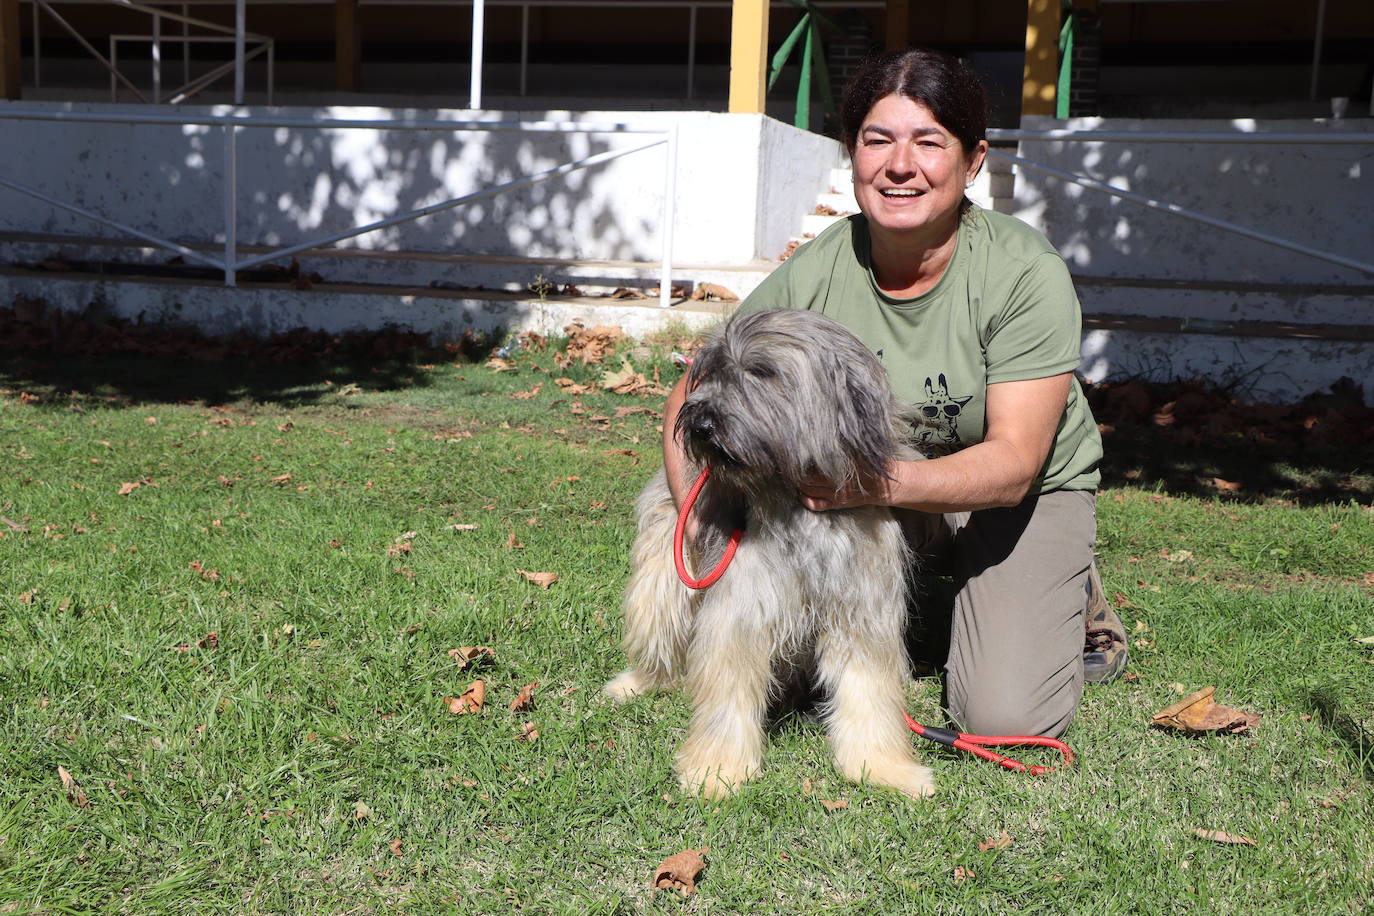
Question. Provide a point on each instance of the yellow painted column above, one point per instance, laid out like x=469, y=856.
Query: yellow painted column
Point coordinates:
x=898, y=24
x=10, y=69
x=748, y=55
x=1040, y=75
x=346, y=45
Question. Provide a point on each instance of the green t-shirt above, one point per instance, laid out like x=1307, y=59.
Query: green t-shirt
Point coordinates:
x=1005, y=310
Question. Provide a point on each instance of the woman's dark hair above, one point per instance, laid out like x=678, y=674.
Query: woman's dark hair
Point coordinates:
x=944, y=84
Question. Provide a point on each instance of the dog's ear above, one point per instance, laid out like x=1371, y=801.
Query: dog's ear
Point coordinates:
x=865, y=422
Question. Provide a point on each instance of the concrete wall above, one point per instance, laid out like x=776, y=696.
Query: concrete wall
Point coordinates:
x=1132, y=261
x=744, y=181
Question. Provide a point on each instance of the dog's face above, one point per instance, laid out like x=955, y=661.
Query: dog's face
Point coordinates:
x=784, y=395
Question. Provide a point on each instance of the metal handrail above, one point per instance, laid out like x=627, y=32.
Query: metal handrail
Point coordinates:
x=1087, y=135
x=232, y=122
x=235, y=35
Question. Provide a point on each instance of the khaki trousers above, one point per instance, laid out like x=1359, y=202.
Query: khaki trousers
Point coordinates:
x=1015, y=627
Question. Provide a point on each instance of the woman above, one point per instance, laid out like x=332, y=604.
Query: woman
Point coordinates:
x=975, y=318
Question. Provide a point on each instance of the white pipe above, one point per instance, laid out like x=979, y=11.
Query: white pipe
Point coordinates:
x=157, y=59
x=475, y=81
x=144, y=117
x=230, y=206
x=1090, y=135
x=665, y=273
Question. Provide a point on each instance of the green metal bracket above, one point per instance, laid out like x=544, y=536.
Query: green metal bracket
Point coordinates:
x=807, y=32
x=1064, y=88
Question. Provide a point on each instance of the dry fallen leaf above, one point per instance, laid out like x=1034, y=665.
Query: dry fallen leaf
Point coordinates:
x=465, y=654
x=998, y=842
x=74, y=793
x=710, y=291
x=470, y=702
x=525, y=699
x=963, y=873
x=395, y=847
x=1217, y=836
x=1198, y=714
x=679, y=872
x=528, y=732
x=361, y=811
x=126, y=488
x=834, y=805
x=541, y=579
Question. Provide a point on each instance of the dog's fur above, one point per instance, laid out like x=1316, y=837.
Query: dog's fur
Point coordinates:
x=779, y=397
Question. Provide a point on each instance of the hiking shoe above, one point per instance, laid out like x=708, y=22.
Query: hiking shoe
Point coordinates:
x=1104, y=637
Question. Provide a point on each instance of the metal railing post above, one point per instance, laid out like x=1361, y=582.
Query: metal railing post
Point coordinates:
x=475, y=81
x=37, y=51
x=157, y=59
x=665, y=274
x=230, y=206
x=240, y=26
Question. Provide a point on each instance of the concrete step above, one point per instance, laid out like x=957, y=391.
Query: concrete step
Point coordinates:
x=435, y=270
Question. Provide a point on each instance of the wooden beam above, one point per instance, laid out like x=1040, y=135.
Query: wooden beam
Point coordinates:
x=11, y=70
x=347, y=45
x=748, y=56
x=1041, y=72
x=898, y=28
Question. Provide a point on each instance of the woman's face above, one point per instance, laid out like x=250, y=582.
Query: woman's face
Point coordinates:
x=909, y=171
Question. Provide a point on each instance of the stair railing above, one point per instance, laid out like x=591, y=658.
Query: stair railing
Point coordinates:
x=222, y=34
x=813, y=67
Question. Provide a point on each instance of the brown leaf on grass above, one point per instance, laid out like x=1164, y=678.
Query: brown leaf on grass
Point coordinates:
x=571, y=387
x=1364, y=640
x=1228, y=486
x=462, y=527
x=12, y=525
x=209, y=641
x=679, y=872
x=527, y=732
x=464, y=655
x=470, y=702
x=281, y=479
x=210, y=575
x=995, y=842
x=527, y=395
x=1228, y=839
x=497, y=364
x=541, y=579
x=74, y=793
x=588, y=345
x=834, y=805
x=963, y=873
x=126, y=488
x=513, y=543
x=395, y=847
x=525, y=699
x=1198, y=714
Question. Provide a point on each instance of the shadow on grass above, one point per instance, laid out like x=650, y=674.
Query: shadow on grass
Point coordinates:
x=1186, y=439
x=1335, y=716
x=52, y=357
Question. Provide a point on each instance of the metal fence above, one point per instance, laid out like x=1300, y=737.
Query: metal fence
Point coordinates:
x=231, y=123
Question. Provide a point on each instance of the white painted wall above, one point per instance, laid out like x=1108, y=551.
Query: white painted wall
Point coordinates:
x=743, y=183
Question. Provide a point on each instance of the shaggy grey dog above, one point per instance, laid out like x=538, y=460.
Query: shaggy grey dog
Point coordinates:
x=778, y=397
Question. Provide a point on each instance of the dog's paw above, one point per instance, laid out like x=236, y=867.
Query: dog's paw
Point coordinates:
x=910, y=779
x=714, y=784
x=625, y=686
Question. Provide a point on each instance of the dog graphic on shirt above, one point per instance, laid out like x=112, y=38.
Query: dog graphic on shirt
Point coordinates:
x=939, y=417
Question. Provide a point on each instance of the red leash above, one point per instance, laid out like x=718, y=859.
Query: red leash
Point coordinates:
x=679, y=561
x=975, y=744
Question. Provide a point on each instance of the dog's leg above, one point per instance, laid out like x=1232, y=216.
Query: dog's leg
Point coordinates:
x=657, y=607
x=729, y=675
x=863, y=668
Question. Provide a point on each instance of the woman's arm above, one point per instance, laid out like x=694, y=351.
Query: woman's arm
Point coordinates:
x=1022, y=418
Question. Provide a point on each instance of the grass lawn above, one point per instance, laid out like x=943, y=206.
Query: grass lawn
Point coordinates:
x=228, y=595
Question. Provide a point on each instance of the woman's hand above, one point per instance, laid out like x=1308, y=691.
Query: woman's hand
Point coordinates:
x=820, y=494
